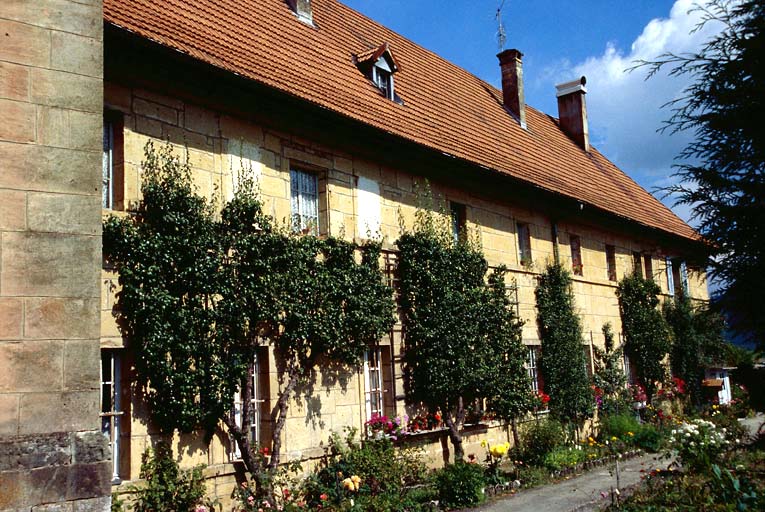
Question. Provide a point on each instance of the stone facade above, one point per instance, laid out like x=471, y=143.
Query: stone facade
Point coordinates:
x=218, y=144
x=52, y=454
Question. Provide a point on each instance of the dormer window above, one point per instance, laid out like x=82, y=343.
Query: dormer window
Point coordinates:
x=383, y=78
x=379, y=66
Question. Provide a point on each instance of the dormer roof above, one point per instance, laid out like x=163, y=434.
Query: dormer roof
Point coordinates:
x=372, y=56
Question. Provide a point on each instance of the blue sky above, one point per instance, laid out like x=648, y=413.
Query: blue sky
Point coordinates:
x=562, y=40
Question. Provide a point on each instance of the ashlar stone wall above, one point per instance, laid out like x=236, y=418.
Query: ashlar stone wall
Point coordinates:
x=52, y=453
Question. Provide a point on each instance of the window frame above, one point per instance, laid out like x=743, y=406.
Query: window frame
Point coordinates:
x=107, y=164
x=458, y=217
x=298, y=222
x=532, y=367
x=523, y=235
x=637, y=263
x=382, y=76
x=374, y=396
x=575, y=244
x=253, y=428
x=670, y=276
x=111, y=414
x=611, y=263
x=648, y=266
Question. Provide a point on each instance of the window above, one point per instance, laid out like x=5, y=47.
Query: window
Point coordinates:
x=576, y=255
x=111, y=410
x=532, y=367
x=373, y=382
x=648, y=265
x=251, y=419
x=628, y=370
x=369, y=210
x=459, y=221
x=304, y=196
x=684, y=278
x=112, y=162
x=524, y=244
x=611, y=262
x=383, y=79
x=637, y=263
x=670, y=277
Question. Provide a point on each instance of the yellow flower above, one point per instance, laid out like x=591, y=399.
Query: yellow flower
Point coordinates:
x=483, y=443
x=614, y=438
x=630, y=434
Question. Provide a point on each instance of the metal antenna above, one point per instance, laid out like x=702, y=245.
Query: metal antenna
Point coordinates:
x=501, y=34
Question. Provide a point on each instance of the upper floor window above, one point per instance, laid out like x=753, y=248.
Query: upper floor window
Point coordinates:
x=576, y=255
x=459, y=220
x=304, y=201
x=637, y=263
x=648, y=266
x=611, y=262
x=524, y=244
x=383, y=78
x=112, y=164
x=670, y=277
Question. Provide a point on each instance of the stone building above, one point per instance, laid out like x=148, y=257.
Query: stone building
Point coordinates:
x=52, y=453
x=339, y=118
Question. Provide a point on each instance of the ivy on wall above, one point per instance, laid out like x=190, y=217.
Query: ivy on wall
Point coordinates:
x=200, y=291
x=646, y=333
x=562, y=361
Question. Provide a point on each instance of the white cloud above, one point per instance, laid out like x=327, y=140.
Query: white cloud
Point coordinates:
x=624, y=109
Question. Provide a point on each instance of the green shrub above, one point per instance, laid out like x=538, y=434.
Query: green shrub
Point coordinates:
x=540, y=438
x=167, y=488
x=563, y=457
x=619, y=425
x=460, y=485
x=649, y=438
x=533, y=476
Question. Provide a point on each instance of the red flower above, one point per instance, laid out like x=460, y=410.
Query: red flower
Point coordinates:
x=265, y=451
x=324, y=497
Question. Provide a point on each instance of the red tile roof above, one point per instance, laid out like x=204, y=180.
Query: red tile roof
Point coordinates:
x=444, y=107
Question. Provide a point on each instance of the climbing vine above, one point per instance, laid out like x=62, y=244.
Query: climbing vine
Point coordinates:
x=562, y=362
x=199, y=292
x=645, y=332
x=462, y=340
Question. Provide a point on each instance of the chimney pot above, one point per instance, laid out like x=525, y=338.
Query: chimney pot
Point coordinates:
x=572, y=111
x=302, y=8
x=511, y=65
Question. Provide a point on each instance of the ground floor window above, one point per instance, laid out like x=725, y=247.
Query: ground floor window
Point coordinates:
x=251, y=418
x=111, y=407
x=373, y=382
x=532, y=367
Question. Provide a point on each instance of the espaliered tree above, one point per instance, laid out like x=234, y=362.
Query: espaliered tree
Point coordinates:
x=562, y=362
x=609, y=374
x=645, y=331
x=199, y=293
x=697, y=342
x=462, y=341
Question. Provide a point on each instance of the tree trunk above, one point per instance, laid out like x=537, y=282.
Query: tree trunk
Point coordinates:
x=516, y=438
x=240, y=435
x=455, y=435
x=281, y=406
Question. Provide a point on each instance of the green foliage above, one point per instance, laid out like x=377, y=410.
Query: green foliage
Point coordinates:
x=697, y=342
x=168, y=260
x=460, y=485
x=649, y=438
x=167, y=488
x=618, y=425
x=645, y=331
x=533, y=476
x=463, y=340
x=564, y=457
x=562, y=361
x=722, y=174
x=386, y=475
x=198, y=292
x=539, y=438
x=609, y=377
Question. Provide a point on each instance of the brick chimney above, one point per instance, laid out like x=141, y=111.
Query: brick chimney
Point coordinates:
x=302, y=8
x=512, y=84
x=572, y=111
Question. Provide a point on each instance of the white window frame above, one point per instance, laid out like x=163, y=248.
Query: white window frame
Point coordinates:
x=107, y=166
x=251, y=427
x=524, y=243
x=111, y=411
x=304, y=201
x=373, y=382
x=670, y=277
x=382, y=76
x=684, y=279
x=532, y=366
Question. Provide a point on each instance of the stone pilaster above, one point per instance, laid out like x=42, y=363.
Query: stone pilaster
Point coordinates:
x=52, y=454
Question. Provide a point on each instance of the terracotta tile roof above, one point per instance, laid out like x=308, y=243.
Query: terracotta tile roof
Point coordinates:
x=445, y=107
